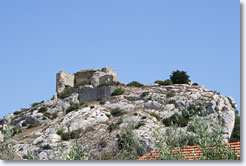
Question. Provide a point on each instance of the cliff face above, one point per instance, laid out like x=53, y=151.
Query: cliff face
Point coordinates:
x=99, y=124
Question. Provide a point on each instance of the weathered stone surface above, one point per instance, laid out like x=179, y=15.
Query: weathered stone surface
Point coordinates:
x=64, y=79
x=96, y=77
x=1, y=136
x=87, y=93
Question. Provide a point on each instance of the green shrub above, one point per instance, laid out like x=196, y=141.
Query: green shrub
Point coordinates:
x=54, y=116
x=235, y=136
x=177, y=120
x=24, y=124
x=135, y=84
x=70, y=135
x=139, y=125
x=130, y=147
x=36, y=104
x=118, y=91
x=102, y=102
x=109, y=84
x=47, y=115
x=16, y=130
x=156, y=116
x=113, y=126
x=170, y=94
x=66, y=136
x=179, y=77
x=44, y=118
x=17, y=112
x=32, y=126
x=106, y=156
x=43, y=109
x=171, y=102
x=117, y=112
x=144, y=94
x=60, y=131
x=73, y=106
x=195, y=84
x=164, y=83
x=144, y=117
x=66, y=92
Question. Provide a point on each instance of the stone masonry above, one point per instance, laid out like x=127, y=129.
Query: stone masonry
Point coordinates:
x=91, y=76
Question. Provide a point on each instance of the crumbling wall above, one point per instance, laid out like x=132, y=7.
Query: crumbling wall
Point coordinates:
x=88, y=93
x=92, y=77
x=63, y=79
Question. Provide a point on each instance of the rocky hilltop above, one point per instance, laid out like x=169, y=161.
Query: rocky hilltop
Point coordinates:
x=92, y=106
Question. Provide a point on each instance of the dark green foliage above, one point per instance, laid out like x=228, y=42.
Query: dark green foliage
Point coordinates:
x=17, y=112
x=117, y=112
x=118, y=91
x=47, y=115
x=164, y=83
x=66, y=136
x=54, y=116
x=73, y=106
x=24, y=124
x=16, y=130
x=179, y=77
x=36, y=104
x=113, y=126
x=144, y=117
x=156, y=116
x=43, y=109
x=66, y=92
x=235, y=136
x=130, y=147
x=144, y=94
x=60, y=131
x=139, y=125
x=171, y=102
x=195, y=84
x=102, y=102
x=218, y=93
x=75, y=134
x=170, y=94
x=135, y=84
x=32, y=126
x=106, y=156
x=70, y=135
x=44, y=118
x=176, y=119
x=109, y=84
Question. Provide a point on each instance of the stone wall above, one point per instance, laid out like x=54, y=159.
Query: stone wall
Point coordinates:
x=88, y=93
x=91, y=76
x=63, y=79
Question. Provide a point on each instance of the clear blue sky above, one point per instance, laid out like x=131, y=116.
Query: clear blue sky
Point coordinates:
x=143, y=40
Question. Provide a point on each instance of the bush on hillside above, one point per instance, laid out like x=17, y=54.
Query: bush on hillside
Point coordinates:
x=118, y=91
x=179, y=77
x=135, y=84
x=66, y=92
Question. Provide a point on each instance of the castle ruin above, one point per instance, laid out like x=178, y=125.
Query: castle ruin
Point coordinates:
x=91, y=76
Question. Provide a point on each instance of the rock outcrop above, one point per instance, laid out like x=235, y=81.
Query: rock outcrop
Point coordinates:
x=149, y=106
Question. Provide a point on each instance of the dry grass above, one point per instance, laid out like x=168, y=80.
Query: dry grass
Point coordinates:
x=28, y=131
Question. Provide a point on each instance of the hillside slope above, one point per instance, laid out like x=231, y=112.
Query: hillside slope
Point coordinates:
x=100, y=124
